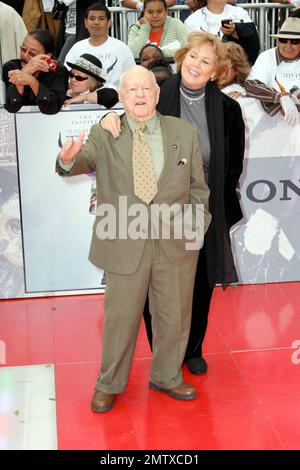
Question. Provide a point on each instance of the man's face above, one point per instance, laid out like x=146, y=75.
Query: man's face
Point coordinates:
x=288, y=50
x=97, y=23
x=139, y=94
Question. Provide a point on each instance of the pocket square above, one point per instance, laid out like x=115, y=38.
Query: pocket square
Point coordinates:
x=182, y=162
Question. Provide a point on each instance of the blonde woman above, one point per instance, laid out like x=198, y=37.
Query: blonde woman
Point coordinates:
x=239, y=68
x=87, y=79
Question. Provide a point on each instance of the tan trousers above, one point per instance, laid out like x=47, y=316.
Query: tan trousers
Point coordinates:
x=170, y=289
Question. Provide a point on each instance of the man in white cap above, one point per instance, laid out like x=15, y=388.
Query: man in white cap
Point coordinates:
x=275, y=76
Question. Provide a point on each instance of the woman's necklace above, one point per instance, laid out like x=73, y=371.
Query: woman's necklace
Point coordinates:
x=190, y=98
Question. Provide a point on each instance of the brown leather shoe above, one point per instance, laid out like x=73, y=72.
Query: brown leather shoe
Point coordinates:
x=102, y=402
x=184, y=391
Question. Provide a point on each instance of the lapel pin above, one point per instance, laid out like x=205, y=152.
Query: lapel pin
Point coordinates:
x=174, y=146
x=182, y=162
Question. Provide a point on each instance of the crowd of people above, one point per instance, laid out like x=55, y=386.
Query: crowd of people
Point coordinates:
x=186, y=90
x=77, y=28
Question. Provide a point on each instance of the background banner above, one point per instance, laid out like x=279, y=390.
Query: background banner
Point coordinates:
x=56, y=213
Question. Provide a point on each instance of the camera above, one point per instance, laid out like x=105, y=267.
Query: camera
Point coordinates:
x=225, y=22
x=53, y=64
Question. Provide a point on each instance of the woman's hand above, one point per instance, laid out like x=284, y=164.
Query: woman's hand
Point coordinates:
x=20, y=78
x=71, y=148
x=111, y=123
x=143, y=20
x=235, y=94
x=37, y=64
x=75, y=100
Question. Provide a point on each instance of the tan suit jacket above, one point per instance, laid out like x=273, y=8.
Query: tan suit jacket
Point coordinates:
x=112, y=160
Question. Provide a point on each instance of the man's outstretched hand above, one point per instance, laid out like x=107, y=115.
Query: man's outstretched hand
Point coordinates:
x=71, y=148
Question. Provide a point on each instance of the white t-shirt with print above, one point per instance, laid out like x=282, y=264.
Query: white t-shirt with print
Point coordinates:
x=205, y=20
x=115, y=55
x=265, y=69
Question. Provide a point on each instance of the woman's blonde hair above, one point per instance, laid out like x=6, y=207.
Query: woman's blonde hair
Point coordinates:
x=239, y=61
x=198, y=39
x=94, y=84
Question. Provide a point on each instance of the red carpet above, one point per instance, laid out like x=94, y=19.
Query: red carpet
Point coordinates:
x=249, y=399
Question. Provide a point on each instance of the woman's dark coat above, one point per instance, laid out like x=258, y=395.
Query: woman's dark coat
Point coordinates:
x=226, y=133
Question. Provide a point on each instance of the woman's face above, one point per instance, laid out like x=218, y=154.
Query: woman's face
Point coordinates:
x=29, y=49
x=198, y=66
x=79, y=82
x=155, y=13
x=149, y=55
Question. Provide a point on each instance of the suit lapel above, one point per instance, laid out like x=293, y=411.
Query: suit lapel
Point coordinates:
x=123, y=144
x=171, y=150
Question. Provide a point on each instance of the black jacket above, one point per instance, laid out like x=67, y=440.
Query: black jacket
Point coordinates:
x=248, y=39
x=227, y=141
x=51, y=95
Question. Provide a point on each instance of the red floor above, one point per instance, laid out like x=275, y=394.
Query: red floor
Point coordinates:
x=249, y=399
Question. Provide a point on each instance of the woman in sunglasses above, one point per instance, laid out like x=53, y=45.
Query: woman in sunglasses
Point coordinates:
x=87, y=79
x=275, y=76
x=35, y=79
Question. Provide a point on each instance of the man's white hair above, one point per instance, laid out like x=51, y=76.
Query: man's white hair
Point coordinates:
x=133, y=70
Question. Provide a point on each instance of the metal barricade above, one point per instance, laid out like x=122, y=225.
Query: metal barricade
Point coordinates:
x=264, y=15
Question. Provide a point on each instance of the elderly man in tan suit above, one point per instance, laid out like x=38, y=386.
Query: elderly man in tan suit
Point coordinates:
x=148, y=263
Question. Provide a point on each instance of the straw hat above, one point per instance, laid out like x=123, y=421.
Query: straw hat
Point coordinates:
x=290, y=29
x=90, y=65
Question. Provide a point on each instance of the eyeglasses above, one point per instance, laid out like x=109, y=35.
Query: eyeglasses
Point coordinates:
x=79, y=78
x=295, y=42
x=31, y=53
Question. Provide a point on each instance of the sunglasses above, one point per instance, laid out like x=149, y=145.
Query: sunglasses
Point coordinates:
x=78, y=77
x=295, y=42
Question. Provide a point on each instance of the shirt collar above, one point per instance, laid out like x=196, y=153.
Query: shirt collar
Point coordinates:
x=151, y=124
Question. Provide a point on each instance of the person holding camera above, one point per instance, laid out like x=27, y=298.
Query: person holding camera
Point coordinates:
x=229, y=22
x=35, y=79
